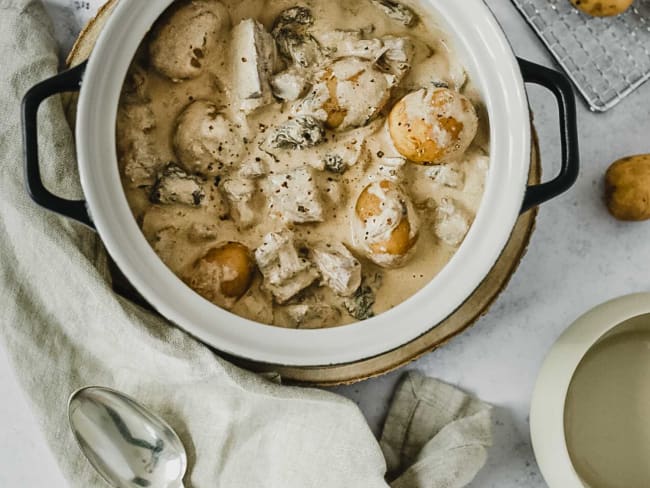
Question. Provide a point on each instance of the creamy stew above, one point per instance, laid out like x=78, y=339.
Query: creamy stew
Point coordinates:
x=305, y=164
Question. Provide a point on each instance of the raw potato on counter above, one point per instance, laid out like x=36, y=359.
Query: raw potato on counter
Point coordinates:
x=627, y=188
x=602, y=8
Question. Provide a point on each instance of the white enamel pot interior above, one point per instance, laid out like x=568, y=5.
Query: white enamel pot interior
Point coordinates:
x=547, y=412
x=492, y=66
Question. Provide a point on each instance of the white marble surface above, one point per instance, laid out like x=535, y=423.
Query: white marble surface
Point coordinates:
x=578, y=257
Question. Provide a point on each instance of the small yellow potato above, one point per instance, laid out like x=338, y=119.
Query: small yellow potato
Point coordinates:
x=335, y=113
x=387, y=224
x=627, y=188
x=433, y=126
x=205, y=141
x=602, y=8
x=370, y=206
x=352, y=92
x=399, y=243
x=184, y=37
x=224, y=274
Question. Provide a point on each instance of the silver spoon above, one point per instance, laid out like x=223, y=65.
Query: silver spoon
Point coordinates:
x=129, y=446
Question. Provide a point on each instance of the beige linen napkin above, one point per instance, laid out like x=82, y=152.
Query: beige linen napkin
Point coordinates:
x=434, y=435
x=63, y=327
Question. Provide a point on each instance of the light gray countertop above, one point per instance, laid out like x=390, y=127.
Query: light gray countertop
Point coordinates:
x=578, y=257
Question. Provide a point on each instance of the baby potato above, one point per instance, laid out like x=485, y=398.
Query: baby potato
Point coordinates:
x=386, y=224
x=433, y=126
x=602, y=8
x=184, y=37
x=335, y=113
x=627, y=188
x=224, y=273
x=350, y=92
x=400, y=241
x=205, y=141
x=368, y=204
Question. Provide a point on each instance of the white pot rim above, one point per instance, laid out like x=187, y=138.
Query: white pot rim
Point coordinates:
x=549, y=397
x=494, y=69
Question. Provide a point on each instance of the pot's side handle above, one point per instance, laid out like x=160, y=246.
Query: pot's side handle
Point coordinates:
x=67, y=81
x=561, y=87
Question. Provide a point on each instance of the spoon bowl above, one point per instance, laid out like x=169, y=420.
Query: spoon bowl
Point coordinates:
x=129, y=446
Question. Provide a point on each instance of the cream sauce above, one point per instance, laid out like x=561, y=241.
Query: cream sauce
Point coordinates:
x=181, y=234
x=606, y=410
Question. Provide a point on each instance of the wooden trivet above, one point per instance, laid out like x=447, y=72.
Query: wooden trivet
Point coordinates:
x=466, y=315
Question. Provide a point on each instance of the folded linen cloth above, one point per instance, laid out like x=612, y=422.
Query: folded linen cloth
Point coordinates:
x=63, y=328
x=434, y=435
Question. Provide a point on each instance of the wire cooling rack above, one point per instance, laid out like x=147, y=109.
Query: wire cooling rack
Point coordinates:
x=607, y=58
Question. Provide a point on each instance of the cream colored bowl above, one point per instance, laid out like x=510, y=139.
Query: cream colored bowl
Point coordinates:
x=590, y=413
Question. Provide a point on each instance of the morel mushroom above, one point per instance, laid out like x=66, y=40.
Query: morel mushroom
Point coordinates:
x=292, y=38
x=397, y=11
x=175, y=186
x=299, y=133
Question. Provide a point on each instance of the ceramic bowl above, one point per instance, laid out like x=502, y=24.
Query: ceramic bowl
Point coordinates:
x=590, y=408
